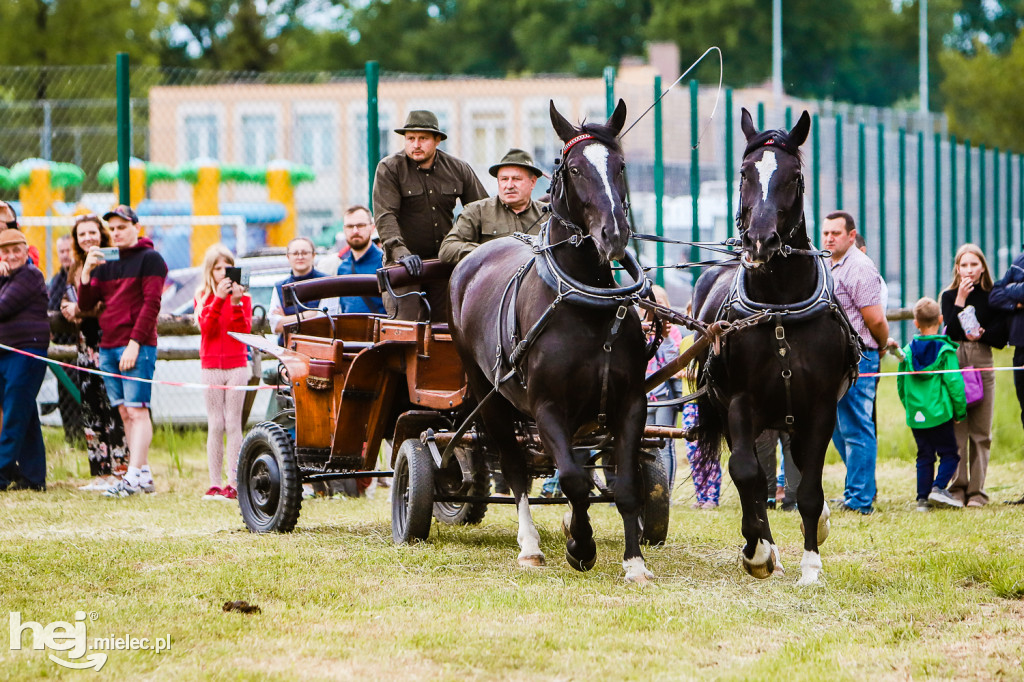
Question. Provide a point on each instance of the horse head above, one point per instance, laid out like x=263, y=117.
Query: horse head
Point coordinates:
x=771, y=189
x=588, y=190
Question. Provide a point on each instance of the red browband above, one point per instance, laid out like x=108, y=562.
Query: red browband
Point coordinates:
x=578, y=138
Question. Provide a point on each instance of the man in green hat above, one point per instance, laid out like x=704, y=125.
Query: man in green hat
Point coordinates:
x=513, y=210
x=414, y=195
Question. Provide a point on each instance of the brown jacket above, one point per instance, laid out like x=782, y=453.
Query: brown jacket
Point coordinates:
x=414, y=208
x=484, y=220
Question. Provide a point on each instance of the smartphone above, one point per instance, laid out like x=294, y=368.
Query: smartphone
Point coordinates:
x=238, y=275
x=110, y=253
x=71, y=293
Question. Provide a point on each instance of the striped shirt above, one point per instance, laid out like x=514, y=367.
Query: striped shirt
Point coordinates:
x=857, y=285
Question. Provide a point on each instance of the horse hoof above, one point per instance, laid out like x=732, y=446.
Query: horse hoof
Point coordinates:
x=762, y=564
x=637, y=572
x=531, y=561
x=810, y=569
x=581, y=566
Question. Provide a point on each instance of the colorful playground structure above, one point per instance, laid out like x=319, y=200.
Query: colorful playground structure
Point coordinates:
x=41, y=189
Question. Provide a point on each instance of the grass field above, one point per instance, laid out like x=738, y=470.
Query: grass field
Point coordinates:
x=904, y=596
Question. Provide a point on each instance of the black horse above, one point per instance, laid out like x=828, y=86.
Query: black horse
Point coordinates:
x=790, y=361
x=549, y=319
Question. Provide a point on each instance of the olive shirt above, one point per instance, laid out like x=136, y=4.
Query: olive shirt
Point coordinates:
x=414, y=208
x=488, y=219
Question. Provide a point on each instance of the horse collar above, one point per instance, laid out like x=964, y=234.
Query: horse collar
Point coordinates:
x=823, y=298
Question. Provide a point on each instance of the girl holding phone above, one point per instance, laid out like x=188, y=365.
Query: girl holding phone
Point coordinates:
x=222, y=306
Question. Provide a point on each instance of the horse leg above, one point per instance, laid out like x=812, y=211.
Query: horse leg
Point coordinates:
x=628, y=494
x=809, y=454
x=580, y=549
x=759, y=553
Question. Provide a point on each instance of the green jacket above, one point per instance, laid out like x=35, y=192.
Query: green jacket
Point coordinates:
x=484, y=220
x=931, y=399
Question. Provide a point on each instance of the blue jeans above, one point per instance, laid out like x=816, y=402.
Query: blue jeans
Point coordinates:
x=22, y=454
x=125, y=391
x=854, y=436
x=937, y=441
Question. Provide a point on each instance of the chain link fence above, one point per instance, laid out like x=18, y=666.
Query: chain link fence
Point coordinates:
x=277, y=155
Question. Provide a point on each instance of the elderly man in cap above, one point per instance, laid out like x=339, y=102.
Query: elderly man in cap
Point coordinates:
x=414, y=195
x=513, y=210
x=130, y=287
x=23, y=326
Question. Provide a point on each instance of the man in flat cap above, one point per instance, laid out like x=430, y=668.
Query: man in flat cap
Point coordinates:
x=414, y=195
x=513, y=210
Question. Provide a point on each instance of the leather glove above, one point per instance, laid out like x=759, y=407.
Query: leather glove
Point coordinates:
x=413, y=264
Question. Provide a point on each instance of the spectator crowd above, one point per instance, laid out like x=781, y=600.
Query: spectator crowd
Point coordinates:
x=110, y=282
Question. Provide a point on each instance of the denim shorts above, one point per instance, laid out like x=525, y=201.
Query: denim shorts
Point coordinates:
x=125, y=391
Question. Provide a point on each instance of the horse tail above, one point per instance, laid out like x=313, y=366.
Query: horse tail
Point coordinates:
x=709, y=428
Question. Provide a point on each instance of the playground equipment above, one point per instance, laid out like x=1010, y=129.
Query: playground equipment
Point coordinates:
x=41, y=186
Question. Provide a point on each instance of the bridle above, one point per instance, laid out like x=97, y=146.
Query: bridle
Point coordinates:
x=560, y=181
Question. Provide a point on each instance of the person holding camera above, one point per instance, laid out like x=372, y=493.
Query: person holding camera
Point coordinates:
x=223, y=306
x=130, y=282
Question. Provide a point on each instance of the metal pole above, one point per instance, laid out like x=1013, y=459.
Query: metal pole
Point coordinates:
x=982, y=207
x=609, y=90
x=694, y=176
x=816, y=176
x=789, y=117
x=902, y=149
x=954, y=222
x=839, y=162
x=1020, y=198
x=124, y=131
x=372, y=126
x=920, y=212
x=659, y=183
x=760, y=115
x=862, y=182
x=881, y=201
x=922, y=56
x=1009, y=210
x=968, y=223
x=937, y=141
x=996, y=237
x=46, y=134
x=730, y=164
x=777, y=51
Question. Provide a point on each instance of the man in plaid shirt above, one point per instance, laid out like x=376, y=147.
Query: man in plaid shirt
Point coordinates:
x=858, y=289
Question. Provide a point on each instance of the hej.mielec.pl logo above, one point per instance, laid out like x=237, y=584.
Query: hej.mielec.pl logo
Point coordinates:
x=72, y=638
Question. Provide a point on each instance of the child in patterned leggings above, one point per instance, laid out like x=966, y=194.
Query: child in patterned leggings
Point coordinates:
x=706, y=473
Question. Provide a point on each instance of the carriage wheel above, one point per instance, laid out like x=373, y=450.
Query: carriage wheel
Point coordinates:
x=654, y=520
x=449, y=481
x=269, y=485
x=412, y=493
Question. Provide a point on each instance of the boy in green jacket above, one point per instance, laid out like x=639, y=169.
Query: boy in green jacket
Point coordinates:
x=933, y=402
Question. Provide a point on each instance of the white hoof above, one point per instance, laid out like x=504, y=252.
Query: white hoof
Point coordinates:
x=636, y=571
x=762, y=563
x=531, y=561
x=810, y=569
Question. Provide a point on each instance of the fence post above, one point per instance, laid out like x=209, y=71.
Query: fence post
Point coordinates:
x=760, y=115
x=694, y=176
x=881, y=200
x=1009, y=209
x=862, y=182
x=789, y=118
x=954, y=223
x=982, y=209
x=609, y=90
x=902, y=137
x=968, y=203
x=124, y=131
x=659, y=184
x=372, y=126
x=730, y=163
x=1020, y=198
x=839, y=162
x=816, y=176
x=996, y=240
x=937, y=141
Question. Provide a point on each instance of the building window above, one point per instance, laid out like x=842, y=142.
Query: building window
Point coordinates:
x=314, y=141
x=489, y=137
x=201, y=137
x=384, y=125
x=258, y=139
x=544, y=146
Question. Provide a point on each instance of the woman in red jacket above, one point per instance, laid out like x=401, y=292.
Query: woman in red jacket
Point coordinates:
x=222, y=306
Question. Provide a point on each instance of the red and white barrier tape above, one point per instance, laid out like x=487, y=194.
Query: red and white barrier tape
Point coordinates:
x=941, y=371
x=179, y=384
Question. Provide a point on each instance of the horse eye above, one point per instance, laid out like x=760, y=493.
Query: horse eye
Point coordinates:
x=574, y=170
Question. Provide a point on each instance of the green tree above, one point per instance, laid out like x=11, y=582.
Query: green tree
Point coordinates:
x=984, y=100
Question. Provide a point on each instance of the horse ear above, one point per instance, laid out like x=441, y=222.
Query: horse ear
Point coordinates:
x=565, y=130
x=747, y=124
x=618, y=118
x=798, y=135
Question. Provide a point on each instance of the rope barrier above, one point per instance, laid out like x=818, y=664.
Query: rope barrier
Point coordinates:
x=156, y=382
x=940, y=371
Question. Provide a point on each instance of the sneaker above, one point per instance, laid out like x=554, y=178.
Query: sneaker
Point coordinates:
x=844, y=506
x=123, y=489
x=923, y=506
x=307, y=491
x=710, y=504
x=212, y=494
x=228, y=493
x=770, y=503
x=788, y=505
x=148, y=486
x=942, y=498
x=98, y=485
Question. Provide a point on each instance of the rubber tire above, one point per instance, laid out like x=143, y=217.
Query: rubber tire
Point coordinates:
x=412, y=493
x=656, y=498
x=465, y=513
x=269, y=485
